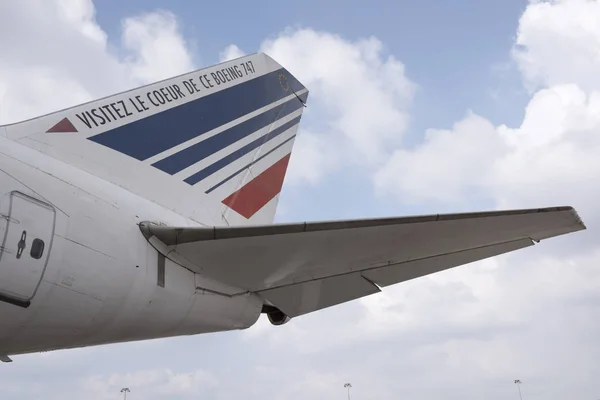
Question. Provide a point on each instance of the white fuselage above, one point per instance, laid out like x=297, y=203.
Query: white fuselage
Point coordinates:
x=101, y=281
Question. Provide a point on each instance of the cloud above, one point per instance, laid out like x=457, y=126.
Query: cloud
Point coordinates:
x=231, y=52
x=81, y=14
x=358, y=104
x=448, y=164
x=37, y=77
x=312, y=158
x=557, y=43
x=158, y=49
x=548, y=160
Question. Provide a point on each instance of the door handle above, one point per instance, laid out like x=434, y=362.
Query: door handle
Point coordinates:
x=21, y=245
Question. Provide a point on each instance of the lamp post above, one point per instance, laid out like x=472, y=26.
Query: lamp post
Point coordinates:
x=125, y=391
x=518, y=383
x=348, y=386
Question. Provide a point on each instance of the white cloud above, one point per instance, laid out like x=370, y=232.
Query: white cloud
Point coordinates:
x=81, y=14
x=312, y=158
x=358, y=101
x=41, y=76
x=231, y=52
x=159, y=51
x=553, y=154
x=445, y=166
x=558, y=43
x=550, y=159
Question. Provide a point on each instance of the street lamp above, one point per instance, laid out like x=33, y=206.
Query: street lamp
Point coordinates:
x=348, y=386
x=518, y=383
x=125, y=391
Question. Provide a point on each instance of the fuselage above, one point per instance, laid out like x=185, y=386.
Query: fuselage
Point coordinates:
x=91, y=277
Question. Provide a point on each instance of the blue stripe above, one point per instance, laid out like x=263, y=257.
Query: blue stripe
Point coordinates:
x=152, y=135
x=191, y=155
x=211, y=169
x=248, y=166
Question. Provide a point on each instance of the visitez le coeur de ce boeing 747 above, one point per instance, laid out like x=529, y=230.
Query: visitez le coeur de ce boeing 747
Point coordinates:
x=149, y=214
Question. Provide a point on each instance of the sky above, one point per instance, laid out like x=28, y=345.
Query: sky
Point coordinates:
x=416, y=107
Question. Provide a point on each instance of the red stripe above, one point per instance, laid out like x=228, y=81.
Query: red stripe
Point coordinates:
x=259, y=191
x=64, y=125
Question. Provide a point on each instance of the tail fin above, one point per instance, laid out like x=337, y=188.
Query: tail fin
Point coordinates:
x=213, y=144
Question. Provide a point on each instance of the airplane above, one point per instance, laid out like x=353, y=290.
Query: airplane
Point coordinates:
x=150, y=214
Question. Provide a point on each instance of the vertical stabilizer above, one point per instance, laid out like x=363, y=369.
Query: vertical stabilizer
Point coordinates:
x=213, y=144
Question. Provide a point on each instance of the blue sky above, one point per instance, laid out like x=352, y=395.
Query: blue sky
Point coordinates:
x=488, y=127
x=451, y=49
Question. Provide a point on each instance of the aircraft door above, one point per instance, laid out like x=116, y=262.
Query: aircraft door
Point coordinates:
x=25, y=247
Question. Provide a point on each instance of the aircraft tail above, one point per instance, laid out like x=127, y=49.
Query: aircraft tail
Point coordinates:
x=214, y=143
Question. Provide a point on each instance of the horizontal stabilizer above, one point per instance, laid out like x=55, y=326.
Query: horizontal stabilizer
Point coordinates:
x=304, y=267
